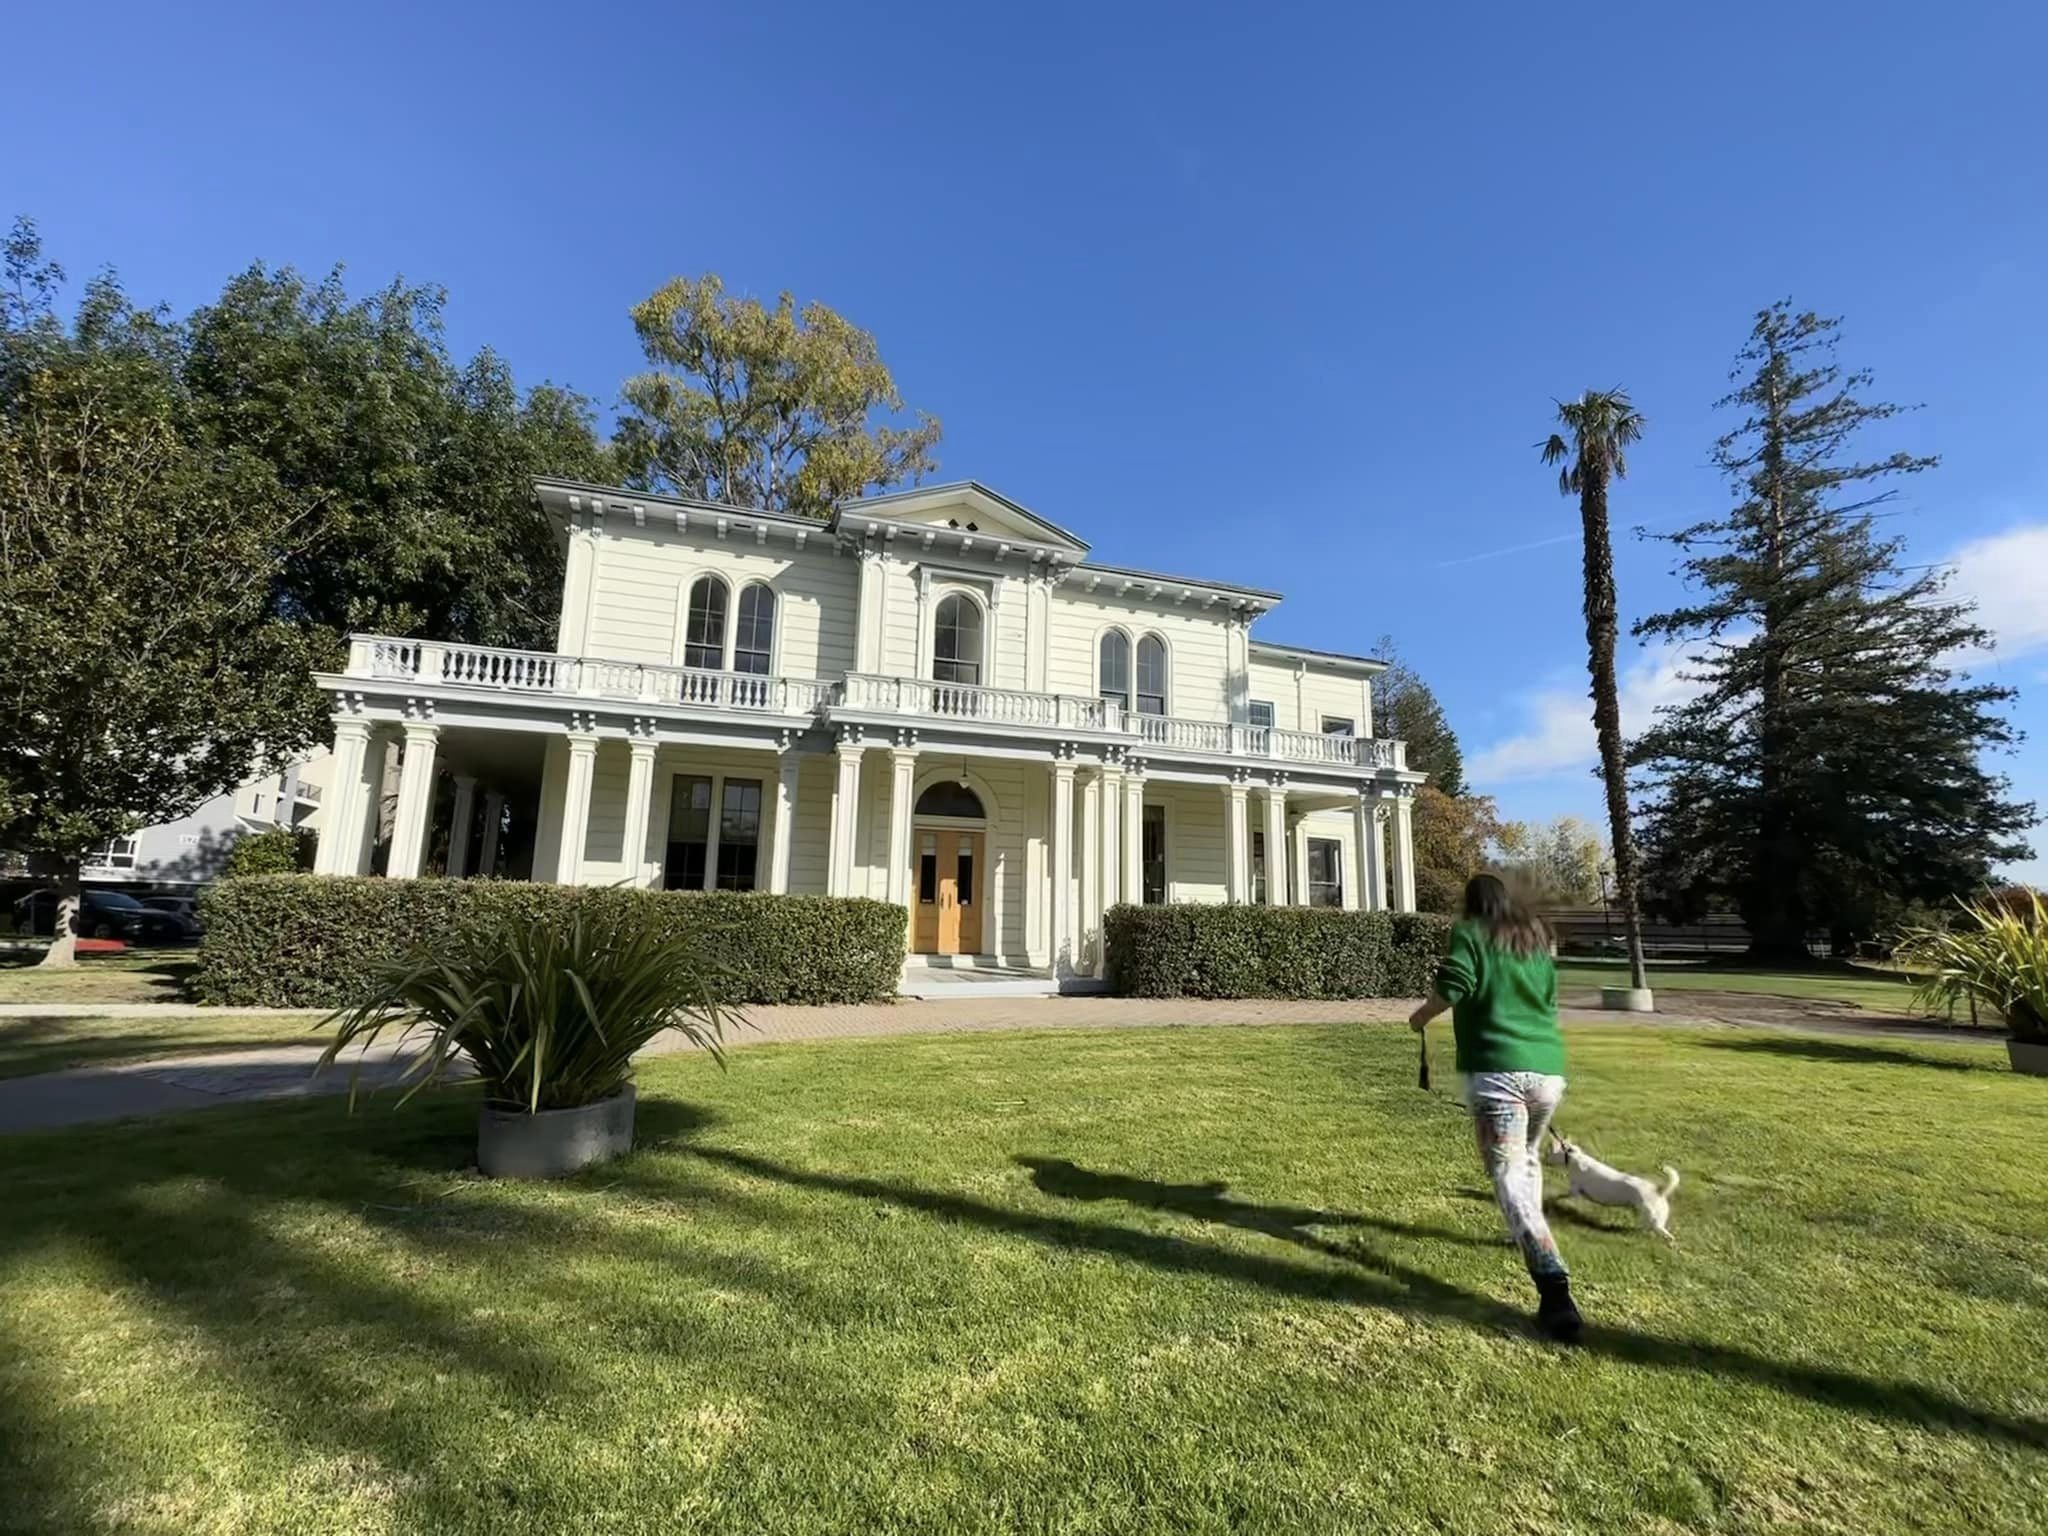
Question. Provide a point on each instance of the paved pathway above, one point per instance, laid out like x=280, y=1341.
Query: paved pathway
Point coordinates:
x=87, y=1094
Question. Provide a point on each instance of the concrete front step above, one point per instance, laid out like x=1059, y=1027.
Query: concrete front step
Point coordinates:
x=949, y=976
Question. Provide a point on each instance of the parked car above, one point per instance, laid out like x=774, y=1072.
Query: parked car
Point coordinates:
x=105, y=915
x=186, y=907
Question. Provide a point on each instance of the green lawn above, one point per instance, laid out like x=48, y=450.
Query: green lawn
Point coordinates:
x=28, y=1046
x=1880, y=991
x=137, y=976
x=1158, y=1280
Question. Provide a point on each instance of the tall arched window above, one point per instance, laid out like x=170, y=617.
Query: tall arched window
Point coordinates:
x=1115, y=681
x=753, y=643
x=956, y=640
x=704, y=627
x=1151, y=676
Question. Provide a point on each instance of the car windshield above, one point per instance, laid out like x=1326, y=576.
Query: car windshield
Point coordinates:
x=113, y=899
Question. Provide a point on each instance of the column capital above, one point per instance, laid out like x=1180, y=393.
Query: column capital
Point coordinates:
x=421, y=730
x=464, y=781
x=351, y=728
x=643, y=747
x=583, y=743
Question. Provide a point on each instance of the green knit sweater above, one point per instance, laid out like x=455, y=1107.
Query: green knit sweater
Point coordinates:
x=1503, y=1005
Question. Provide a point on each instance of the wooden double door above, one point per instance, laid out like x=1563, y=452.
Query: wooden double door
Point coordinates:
x=948, y=878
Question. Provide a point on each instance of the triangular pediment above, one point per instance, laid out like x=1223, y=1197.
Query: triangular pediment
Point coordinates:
x=968, y=507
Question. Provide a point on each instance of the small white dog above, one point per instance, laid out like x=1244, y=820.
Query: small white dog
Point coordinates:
x=1593, y=1180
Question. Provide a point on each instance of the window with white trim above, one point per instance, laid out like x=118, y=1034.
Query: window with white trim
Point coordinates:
x=739, y=834
x=956, y=640
x=1261, y=713
x=704, y=625
x=1339, y=725
x=1151, y=676
x=1325, y=872
x=753, y=642
x=1114, y=682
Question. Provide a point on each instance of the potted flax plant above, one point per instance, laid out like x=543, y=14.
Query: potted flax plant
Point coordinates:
x=549, y=1011
x=1996, y=954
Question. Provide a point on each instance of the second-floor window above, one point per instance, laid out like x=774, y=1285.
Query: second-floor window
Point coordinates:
x=1115, y=683
x=1151, y=676
x=704, y=625
x=753, y=643
x=1338, y=725
x=956, y=641
x=1261, y=712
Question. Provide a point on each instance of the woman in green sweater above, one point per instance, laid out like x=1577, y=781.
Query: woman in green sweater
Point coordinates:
x=1500, y=983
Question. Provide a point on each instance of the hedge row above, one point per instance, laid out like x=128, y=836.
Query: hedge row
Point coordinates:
x=307, y=941
x=1256, y=951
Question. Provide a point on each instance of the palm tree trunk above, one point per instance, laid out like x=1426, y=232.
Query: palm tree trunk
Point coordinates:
x=1601, y=622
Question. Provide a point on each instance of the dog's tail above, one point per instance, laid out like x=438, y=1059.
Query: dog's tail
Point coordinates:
x=1670, y=1181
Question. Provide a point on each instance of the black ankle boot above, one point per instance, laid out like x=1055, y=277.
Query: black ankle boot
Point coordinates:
x=1555, y=1313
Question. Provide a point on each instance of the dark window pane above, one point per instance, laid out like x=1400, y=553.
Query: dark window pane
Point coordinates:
x=704, y=629
x=949, y=797
x=1152, y=855
x=1325, y=872
x=754, y=641
x=1334, y=725
x=1258, y=868
x=956, y=641
x=966, y=878
x=1151, y=676
x=739, y=834
x=689, y=833
x=927, y=878
x=1116, y=667
x=1262, y=712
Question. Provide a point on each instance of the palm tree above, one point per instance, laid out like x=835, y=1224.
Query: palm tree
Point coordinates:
x=1598, y=428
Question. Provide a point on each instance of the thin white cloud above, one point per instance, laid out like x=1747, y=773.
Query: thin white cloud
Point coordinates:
x=2006, y=576
x=1558, y=738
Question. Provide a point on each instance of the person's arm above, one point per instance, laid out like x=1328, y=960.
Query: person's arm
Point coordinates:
x=1455, y=979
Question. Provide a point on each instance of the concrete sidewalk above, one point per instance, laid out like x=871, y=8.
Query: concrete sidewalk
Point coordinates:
x=85, y=1095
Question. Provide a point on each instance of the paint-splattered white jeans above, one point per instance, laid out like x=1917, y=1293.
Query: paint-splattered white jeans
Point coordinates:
x=1511, y=1111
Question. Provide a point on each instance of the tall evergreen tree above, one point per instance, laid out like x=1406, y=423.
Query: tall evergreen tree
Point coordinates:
x=1830, y=771
x=1406, y=708
x=1598, y=427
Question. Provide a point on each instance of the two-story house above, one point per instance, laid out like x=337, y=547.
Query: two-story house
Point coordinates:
x=934, y=698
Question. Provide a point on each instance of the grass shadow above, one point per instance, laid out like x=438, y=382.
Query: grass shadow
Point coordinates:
x=1369, y=1278
x=1856, y=1053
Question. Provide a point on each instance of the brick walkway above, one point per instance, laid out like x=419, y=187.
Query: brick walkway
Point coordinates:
x=86, y=1095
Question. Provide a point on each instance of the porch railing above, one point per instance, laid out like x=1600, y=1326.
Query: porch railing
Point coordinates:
x=540, y=672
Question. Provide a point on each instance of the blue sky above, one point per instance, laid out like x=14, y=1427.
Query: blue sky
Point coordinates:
x=1215, y=286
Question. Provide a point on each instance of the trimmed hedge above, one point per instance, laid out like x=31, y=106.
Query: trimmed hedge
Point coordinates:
x=307, y=941
x=1255, y=951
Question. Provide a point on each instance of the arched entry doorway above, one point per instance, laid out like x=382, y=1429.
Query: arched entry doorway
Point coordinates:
x=948, y=870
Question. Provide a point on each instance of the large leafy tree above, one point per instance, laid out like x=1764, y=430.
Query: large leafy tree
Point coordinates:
x=142, y=669
x=1829, y=774
x=1405, y=707
x=1452, y=836
x=1596, y=432
x=762, y=406
x=416, y=469
x=1557, y=861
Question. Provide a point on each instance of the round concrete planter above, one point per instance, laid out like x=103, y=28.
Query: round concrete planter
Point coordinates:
x=512, y=1144
x=1628, y=1000
x=2028, y=1056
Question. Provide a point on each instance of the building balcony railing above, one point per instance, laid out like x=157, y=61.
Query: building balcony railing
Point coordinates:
x=491, y=668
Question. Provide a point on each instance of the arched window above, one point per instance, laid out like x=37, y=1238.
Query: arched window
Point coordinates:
x=956, y=641
x=704, y=628
x=950, y=798
x=1115, y=681
x=754, y=642
x=1151, y=676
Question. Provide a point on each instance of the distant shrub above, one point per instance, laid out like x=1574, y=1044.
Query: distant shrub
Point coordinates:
x=315, y=941
x=280, y=851
x=1256, y=951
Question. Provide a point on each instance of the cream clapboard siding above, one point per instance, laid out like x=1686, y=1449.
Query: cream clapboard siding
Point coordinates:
x=1003, y=651
x=1197, y=656
x=1301, y=700
x=641, y=576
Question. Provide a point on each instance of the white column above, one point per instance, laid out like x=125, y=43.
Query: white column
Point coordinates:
x=1297, y=853
x=639, y=809
x=1403, y=860
x=376, y=774
x=494, y=813
x=461, y=814
x=1372, y=854
x=1037, y=631
x=576, y=807
x=1134, y=835
x=1237, y=864
x=1276, y=842
x=845, y=816
x=1111, y=843
x=1090, y=926
x=902, y=778
x=415, y=800
x=868, y=637
x=782, y=829
x=341, y=839
x=1063, y=945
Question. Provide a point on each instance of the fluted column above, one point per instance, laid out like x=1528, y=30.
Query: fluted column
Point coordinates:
x=1134, y=833
x=902, y=780
x=845, y=813
x=341, y=838
x=415, y=799
x=1276, y=841
x=1237, y=877
x=640, y=805
x=1403, y=860
x=576, y=807
x=782, y=829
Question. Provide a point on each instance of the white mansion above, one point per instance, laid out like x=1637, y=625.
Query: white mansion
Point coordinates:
x=933, y=698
